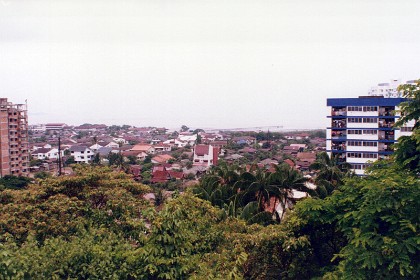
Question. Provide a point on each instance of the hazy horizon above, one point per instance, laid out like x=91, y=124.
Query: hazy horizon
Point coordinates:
x=215, y=64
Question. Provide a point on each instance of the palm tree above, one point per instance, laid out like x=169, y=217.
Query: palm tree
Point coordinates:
x=286, y=180
x=212, y=190
x=255, y=186
x=330, y=173
x=227, y=174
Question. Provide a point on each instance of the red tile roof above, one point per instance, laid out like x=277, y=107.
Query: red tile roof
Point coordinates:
x=289, y=162
x=201, y=150
x=160, y=176
x=176, y=174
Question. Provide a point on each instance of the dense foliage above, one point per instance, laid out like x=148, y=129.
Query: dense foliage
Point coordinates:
x=96, y=225
x=408, y=148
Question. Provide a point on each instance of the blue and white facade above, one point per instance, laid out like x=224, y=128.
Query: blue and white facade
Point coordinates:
x=361, y=129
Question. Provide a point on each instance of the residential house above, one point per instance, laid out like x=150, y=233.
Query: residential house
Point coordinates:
x=218, y=143
x=176, y=143
x=247, y=140
x=112, y=144
x=187, y=139
x=161, y=159
x=205, y=155
x=139, y=155
x=119, y=140
x=247, y=150
x=81, y=154
x=95, y=147
x=160, y=147
x=146, y=148
x=161, y=175
x=46, y=153
x=290, y=150
x=307, y=156
x=301, y=146
x=269, y=162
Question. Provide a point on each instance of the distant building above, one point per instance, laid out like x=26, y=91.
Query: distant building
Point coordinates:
x=55, y=126
x=14, y=145
x=361, y=129
x=37, y=127
x=81, y=154
x=148, y=149
x=205, y=155
x=46, y=153
x=389, y=89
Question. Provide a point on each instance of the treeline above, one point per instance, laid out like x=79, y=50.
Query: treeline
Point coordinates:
x=95, y=225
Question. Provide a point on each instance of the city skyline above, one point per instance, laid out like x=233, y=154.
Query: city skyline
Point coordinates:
x=218, y=64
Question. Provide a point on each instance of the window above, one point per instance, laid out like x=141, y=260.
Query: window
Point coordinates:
x=362, y=155
x=370, y=131
x=354, y=155
x=370, y=109
x=370, y=144
x=354, y=131
x=354, y=143
x=370, y=155
x=370, y=120
x=355, y=108
x=357, y=166
x=406, y=129
x=355, y=120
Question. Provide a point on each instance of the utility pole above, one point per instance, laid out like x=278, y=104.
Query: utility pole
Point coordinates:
x=59, y=154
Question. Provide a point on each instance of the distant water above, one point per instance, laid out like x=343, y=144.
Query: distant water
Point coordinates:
x=259, y=128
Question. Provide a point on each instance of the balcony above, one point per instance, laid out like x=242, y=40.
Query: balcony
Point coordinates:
x=338, y=135
x=339, y=114
x=386, y=114
x=338, y=123
x=338, y=147
x=385, y=124
x=387, y=137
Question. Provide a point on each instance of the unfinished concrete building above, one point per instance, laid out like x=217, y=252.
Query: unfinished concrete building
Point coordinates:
x=14, y=144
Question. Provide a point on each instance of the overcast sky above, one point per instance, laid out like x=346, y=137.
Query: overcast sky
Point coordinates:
x=201, y=63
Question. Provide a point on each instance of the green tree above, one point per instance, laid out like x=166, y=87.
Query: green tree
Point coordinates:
x=330, y=173
x=96, y=159
x=42, y=175
x=14, y=182
x=285, y=180
x=61, y=206
x=181, y=233
x=70, y=160
x=407, y=152
x=184, y=128
x=115, y=159
x=132, y=160
x=198, y=140
x=381, y=224
x=410, y=109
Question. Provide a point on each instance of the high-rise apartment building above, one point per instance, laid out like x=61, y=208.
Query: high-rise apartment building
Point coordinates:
x=14, y=145
x=361, y=129
x=389, y=89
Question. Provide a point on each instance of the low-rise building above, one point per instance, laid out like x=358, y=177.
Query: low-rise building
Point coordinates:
x=81, y=154
x=205, y=155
